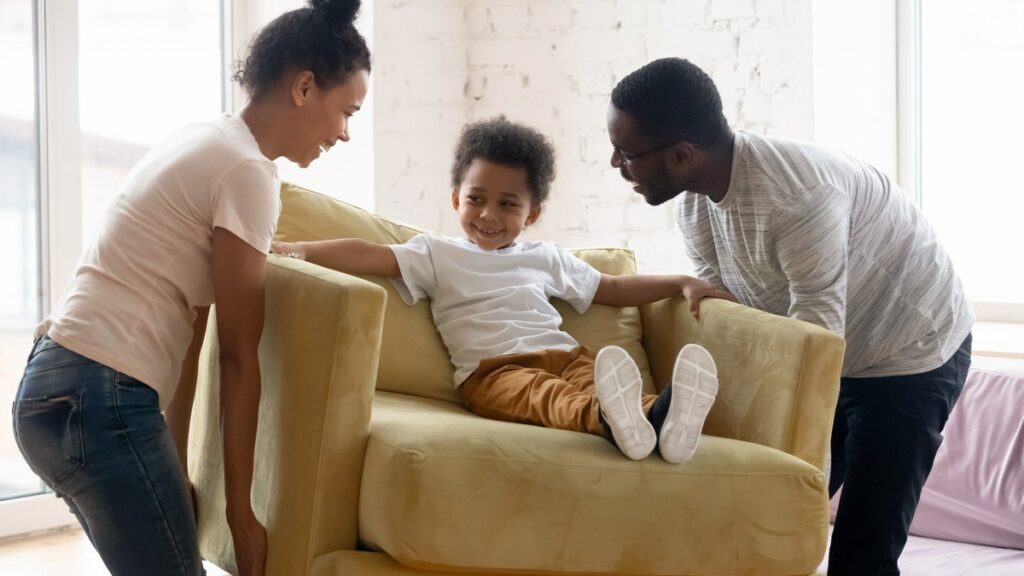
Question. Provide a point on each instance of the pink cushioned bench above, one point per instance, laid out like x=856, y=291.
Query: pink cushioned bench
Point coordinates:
x=971, y=516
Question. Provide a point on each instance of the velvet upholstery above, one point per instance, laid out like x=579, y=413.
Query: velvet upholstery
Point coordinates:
x=409, y=331
x=401, y=480
x=318, y=362
x=443, y=488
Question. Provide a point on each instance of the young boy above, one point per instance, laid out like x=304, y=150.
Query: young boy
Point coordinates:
x=489, y=298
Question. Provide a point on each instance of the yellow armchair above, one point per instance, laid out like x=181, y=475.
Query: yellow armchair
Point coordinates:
x=318, y=360
x=367, y=464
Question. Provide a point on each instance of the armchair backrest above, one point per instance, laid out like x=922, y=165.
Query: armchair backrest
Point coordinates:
x=413, y=359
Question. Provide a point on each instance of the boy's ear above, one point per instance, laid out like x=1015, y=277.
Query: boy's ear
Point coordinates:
x=535, y=211
x=455, y=199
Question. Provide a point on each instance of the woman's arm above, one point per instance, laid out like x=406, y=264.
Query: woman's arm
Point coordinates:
x=639, y=289
x=179, y=412
x=349, y=255
x=239, y=272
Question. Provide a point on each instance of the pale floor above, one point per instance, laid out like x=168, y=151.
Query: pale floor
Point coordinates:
x=63, y=553
x=68, y=553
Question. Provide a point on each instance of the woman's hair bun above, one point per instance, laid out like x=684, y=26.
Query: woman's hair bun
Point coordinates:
x=341, y=12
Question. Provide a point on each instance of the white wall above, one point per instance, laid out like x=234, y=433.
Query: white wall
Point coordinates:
x=553, y=64
x=855, y=82
x=421, y=76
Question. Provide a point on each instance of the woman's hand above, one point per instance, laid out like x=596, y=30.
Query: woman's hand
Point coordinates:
x=250, y=538
x=289, y=249
x=695, y=290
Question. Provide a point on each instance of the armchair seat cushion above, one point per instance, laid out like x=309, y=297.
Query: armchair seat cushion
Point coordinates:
x=444, y=489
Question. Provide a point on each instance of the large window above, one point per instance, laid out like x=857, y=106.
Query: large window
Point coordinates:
x=969, y=153
x=145, y=70
x=20, y=296
x=929, y=91
x=89, y=87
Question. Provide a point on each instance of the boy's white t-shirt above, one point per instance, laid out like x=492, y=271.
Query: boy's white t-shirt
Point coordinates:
x=130, y=303
x=493, y=303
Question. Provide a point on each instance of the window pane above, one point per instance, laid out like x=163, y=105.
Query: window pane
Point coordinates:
x=972, y=118
x=19, y=218
x=145, y=70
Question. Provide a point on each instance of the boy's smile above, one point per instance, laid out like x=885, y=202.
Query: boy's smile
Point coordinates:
x=494, y=204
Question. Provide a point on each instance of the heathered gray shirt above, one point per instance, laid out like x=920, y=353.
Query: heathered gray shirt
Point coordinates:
x=810, y=233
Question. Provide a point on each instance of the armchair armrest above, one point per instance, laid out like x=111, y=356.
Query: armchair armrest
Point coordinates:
x=778, y=377
x=318, y=359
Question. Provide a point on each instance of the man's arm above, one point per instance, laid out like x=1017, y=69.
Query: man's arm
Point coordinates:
x=639, y=289
x=349, y=255
x=699, y=240
x=706, y=272
x=812, y=239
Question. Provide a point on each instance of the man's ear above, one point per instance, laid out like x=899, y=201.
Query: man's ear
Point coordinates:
x=302, y=84
x=682, y=153
x=455, y=199
x=535, y=210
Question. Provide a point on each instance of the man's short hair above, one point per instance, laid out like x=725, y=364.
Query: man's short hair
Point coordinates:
x=673, y=100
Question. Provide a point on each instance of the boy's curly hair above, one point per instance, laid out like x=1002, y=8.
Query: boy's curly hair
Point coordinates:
x=510, y=144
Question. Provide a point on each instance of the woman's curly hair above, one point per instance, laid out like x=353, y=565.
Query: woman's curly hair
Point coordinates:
x=320, y=38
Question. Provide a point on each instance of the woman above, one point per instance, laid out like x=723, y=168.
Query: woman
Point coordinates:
x=192, y=226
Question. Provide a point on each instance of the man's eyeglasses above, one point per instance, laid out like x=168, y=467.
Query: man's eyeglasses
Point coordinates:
x=631, y=157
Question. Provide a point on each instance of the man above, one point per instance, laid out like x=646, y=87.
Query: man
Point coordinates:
x=798, y=230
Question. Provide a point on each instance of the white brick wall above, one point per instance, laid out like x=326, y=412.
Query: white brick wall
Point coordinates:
x=420, y=79
x=552, y=64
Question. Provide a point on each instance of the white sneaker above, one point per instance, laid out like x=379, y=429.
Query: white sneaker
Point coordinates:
x=694, y=386
x=619, y=390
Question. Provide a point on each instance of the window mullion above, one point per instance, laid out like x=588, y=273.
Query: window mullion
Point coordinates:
x=233, y=19
x=59, y=145
x=908, y=91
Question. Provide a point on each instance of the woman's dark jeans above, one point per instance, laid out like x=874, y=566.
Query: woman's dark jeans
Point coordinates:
x=97, y=438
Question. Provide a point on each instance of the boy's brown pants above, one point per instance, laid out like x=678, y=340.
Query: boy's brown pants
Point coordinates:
x=551, y=388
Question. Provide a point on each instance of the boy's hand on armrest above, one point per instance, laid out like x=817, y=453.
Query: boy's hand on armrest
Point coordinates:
x=348, y=255
x=289, y=249
x=695, y=290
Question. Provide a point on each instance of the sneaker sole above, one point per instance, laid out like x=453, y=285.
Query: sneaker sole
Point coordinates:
x=694, y=387
x=619, y=390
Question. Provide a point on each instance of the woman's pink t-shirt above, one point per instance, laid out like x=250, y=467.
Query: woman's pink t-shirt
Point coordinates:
x=130, y=303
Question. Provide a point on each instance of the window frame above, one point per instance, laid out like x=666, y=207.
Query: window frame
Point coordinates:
x=909, y=106
x=59, y=206
x=56, y=43
x=883, y=125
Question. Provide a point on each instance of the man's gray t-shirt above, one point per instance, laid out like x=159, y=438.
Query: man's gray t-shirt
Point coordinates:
x=811, y=233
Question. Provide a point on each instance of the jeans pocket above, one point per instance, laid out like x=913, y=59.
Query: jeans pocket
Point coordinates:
x=49, y=434
x=129, y=392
